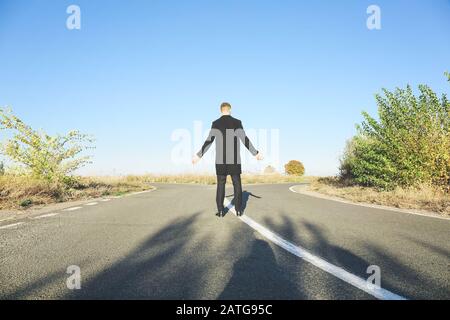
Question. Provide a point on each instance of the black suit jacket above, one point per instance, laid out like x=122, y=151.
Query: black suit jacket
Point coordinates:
x=227, y=132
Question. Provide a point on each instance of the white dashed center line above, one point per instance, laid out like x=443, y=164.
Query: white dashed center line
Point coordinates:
x=72, y=209
x=11, y=225
x=46, y=215
x=91, y=204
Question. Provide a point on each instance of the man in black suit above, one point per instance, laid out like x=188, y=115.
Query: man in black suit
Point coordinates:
x=226, y=132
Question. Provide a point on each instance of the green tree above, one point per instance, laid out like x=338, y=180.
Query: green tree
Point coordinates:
x=294, y=168
x=43, y=156
x=2, y=169
x=407, y=145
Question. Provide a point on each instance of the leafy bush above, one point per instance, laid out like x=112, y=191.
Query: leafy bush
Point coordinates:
x=294, y=168
x=26, y=203
x=43, y=156
x=408, y=145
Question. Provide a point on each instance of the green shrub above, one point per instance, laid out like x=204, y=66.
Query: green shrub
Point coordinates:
x=42, y=156
x=408, y=145
x=294, y=168
x=364, y=163
x=26, y=203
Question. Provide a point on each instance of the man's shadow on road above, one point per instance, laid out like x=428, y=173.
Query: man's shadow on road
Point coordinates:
x=258, y=275
x=245, y=197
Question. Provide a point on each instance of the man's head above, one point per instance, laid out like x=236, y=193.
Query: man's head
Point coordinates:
x=225, y=108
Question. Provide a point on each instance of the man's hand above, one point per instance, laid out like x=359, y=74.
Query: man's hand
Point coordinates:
x=195, y=159
x=259, y=156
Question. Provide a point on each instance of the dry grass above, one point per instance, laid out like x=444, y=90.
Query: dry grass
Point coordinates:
x=421, y=198
x=211, y=179
x=19, y=192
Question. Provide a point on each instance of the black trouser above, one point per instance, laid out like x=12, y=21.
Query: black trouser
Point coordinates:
x=220, y=195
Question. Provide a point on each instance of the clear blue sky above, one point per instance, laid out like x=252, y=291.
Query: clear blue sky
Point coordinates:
x=137, y=70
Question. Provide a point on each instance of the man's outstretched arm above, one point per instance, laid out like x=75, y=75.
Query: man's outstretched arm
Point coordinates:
x=206, y=145
x=240, y=132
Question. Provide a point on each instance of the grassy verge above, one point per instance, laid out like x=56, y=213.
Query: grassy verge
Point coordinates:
x=421, y=198
x=18, y=192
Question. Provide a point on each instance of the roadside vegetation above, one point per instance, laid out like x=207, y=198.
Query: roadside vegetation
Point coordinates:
x=400, y=159
x=294, y=168
x=272, y=177
x=294, y=171
x=41, y=167
x=426, y=198
x=22, y=192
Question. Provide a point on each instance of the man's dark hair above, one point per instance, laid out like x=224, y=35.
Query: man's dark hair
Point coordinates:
x=225, y=105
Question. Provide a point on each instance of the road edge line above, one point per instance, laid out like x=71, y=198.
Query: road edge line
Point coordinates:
x=12, y=225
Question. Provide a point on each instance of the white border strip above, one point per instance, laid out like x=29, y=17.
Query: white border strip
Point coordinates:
x=11, y=225
x=91, y=204
x=72, y=209
x=138, y=192
x=46, y=215
x=302, y=253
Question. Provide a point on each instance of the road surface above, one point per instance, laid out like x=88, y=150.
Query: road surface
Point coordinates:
x=167, y=244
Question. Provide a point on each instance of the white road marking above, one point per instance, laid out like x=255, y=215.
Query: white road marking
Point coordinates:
x=91, y=204
x=46, y=215
x=373, y=206
x=105, y=200
x=72, y=209
x=304, y=254
x=11, y=225
x=138, y=192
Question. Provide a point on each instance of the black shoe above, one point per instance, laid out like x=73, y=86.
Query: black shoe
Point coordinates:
x=239, y=213
x=218, y=214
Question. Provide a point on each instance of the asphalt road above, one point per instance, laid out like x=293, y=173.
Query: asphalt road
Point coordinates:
x=167, y=244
